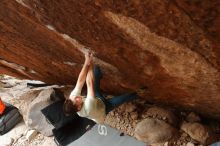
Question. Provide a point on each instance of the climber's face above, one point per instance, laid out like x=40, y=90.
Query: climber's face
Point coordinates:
x=78, y=102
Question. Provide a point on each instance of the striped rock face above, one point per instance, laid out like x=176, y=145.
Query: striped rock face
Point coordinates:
x=170, y=47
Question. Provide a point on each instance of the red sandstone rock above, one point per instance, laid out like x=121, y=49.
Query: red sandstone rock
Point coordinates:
x=171, y=47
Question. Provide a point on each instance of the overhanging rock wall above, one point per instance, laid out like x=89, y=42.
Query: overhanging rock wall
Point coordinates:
x=171, y=47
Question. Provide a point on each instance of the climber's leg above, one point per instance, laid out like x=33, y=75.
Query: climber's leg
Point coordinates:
x=119, y=100
x=98, y=77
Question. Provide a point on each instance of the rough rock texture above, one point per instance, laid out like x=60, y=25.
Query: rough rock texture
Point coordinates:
x=35, y=118
x=192, y=117
x=171, y=47
x=154, y=131
x=197, y=131
x=162, y=114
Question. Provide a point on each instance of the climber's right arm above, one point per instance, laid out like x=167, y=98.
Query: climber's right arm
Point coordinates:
x=82, y=76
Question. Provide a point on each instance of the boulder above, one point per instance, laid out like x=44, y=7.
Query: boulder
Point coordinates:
x=154, y=131
x=196, y=131
x=35, y=118
x=163, y=114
